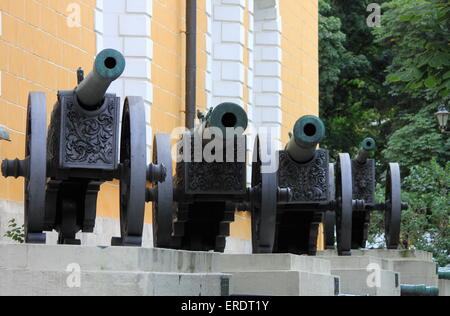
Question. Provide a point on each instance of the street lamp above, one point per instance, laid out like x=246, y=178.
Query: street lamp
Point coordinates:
x=442, y=116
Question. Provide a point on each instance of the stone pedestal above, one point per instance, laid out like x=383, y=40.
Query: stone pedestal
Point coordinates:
x=415, y=267
x=114, y=271
x=364, y=275
x=278, y=275
x=444, y=287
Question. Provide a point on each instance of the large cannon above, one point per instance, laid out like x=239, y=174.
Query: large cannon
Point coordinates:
x=291, y=224
x=195, y=211
x=84, y=149
x=364, y=183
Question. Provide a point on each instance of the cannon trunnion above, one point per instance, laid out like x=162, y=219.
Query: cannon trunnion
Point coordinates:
x=64, y=175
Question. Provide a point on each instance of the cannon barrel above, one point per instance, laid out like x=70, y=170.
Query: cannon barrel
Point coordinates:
x=308, y=132
x=419, y=290
x=367, y=146
x=224, y=117
x=108, y=66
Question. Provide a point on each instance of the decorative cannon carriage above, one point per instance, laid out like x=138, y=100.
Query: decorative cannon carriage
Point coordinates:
x=84, y=150
x=291, y=224
x=364, y=183
x=195, y=211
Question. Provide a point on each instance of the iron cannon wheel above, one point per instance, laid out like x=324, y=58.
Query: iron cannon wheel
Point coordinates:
x=133, y=177
x=344, y=211
x=330, y=216
x=264, y=206
x=36, y=173
x=392, y=216
x=163, y=207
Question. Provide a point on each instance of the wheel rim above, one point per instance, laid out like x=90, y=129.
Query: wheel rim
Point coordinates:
x=35, y=153
x=264, y=210
x=133, y=160
x=163, y=207
x=392, y=219
x=345, y=206
x=330, y=216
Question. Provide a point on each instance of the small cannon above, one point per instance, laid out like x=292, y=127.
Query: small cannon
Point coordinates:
x=84, y=150
x=194, y=211
x=287, y=220
x=364, y=183
x=418, y=290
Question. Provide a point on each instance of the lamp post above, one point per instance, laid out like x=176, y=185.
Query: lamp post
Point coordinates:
x=442, y=116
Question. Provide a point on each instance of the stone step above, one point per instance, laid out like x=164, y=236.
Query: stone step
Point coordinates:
x=248, y=274
x=22, y=282
x=271, y=262
x=414, y=266
x=283, y=283
x=57, y=258
x=365, y=283
x=444, y=287
x=386, y=254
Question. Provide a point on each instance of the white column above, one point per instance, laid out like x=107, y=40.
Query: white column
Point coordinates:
x=125, y=25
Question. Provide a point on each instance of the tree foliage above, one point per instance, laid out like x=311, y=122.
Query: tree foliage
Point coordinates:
x=387, y=82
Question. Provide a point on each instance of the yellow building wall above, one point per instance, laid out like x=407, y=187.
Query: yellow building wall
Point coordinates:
x=38, y=52
x=300, y=66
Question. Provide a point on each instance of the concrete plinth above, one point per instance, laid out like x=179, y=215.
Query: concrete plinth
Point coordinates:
x=415, y=267
x=49, y=270
x=444, y=287
x=278, y=275
x=364, y=275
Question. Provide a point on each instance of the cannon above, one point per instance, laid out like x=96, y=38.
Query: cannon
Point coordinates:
x=288, y=204
x=83, y=149
x=364, y=183
x=194, y=210
x=418, y=290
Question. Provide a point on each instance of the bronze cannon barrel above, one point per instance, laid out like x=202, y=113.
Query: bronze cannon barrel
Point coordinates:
x=108, y=66
x=367, y=146
x=225, y=117
x=308, y=132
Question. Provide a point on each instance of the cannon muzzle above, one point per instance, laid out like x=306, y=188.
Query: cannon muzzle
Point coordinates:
x=230, y=118
x=367, y=146
x=309, y=131
x=108, y=66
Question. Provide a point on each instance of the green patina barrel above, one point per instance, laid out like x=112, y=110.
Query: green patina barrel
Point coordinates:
x=308, y=132
x=108, y=66
x=444, y=274
x=419, y=290
x=228, y=117
x=367, y=146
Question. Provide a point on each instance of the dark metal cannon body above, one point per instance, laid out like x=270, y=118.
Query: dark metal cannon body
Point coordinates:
x=364, y=184
x=290, y=224
x=83, y=150
x=195, y=211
